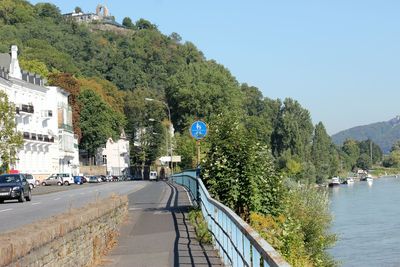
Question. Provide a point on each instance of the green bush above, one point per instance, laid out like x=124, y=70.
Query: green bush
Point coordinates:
x=200, y=226
x=300, y=233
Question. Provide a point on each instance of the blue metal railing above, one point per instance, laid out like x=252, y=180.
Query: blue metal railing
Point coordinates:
x=238, y=244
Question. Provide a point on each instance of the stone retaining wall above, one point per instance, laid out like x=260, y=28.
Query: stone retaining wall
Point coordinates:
x=76, y=238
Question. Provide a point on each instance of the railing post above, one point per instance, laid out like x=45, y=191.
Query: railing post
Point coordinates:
x=237, y=243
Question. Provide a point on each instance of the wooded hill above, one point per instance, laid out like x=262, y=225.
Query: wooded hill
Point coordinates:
x=254, y=142
x=120, y=70
x=385, y=133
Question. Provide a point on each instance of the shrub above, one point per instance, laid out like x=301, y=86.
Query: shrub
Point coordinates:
x=300, y=233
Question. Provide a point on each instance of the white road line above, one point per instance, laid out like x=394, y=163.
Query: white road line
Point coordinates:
x=57, y=198
x=35, y=203
x=5, y=210
x=135, y=208
x=161, y=212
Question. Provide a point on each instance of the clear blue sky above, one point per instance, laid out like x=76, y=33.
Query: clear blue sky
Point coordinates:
x=340, y=59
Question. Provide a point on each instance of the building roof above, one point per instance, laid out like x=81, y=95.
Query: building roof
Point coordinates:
x=5, y=60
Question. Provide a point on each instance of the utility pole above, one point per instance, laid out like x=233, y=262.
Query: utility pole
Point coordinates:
x=170, y=132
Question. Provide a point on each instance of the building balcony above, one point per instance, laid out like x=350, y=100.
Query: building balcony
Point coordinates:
x=37, y=137
x=24, y=109
x=65, y=127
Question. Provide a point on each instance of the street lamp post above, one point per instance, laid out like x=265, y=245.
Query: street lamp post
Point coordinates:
x=170, y=135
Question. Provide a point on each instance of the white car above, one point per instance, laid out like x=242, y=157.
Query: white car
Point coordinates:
x=153, y=176
x=67, y=178
x=31, y=180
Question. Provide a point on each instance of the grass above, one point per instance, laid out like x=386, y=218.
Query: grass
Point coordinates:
x=379, y=171
x=196, y=218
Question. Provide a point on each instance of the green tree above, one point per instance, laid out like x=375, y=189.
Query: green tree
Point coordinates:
x=395, y=146
x=10, y=139
x=201, y=90
x=143, y=24
x=393, y=160
x=16, y=11
x=127, y=22
x=35, y=66
x=293, y=130
x=175, y=37
x=144, y=118
x=78, y=10
x=47, y=10
x=376, y=153
x=186, y=148
x=352, y=151
x=364, y=161
x=98, y=121
x=238, y=171
x=321, y=153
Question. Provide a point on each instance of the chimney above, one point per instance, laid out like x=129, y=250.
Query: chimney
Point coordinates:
x=15, y=70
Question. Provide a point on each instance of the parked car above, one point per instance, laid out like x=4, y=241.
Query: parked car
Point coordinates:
x=153, y=176
x=93, y=179
x=67, y=178
x=31, y=180
x=53, y=179
x=14, y=186
x=78, y=179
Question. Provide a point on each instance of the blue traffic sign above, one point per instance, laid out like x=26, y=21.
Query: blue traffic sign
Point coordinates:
x=198, y=130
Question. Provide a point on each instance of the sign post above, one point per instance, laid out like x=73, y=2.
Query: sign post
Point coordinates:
x=198, y=131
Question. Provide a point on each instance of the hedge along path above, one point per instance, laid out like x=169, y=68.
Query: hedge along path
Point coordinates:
x=18, y=243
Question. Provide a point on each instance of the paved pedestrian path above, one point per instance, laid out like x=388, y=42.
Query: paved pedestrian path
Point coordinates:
x=158, y=232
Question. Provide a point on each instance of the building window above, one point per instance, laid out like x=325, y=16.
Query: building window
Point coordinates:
x=104, y=159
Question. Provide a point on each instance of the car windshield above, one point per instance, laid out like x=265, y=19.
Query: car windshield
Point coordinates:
x=8, y=179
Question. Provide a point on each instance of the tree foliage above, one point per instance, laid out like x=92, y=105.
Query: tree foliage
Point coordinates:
x=10, y=139
x=202, y=90
x=35, y=66
x=70, y=84
x=238, y=171
x=98, y=121
x=324, y=154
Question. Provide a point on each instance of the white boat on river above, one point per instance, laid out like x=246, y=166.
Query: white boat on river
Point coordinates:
x=334, y=181
x=349, y=180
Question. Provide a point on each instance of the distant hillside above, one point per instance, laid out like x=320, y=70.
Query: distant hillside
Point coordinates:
x=385, y=134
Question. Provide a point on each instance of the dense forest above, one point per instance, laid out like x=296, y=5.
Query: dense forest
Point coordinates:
x=258, y=149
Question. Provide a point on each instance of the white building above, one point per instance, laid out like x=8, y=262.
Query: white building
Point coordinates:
x=115, y=156
x=38, y=118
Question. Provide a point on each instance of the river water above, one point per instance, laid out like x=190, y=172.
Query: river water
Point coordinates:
x=367, y=220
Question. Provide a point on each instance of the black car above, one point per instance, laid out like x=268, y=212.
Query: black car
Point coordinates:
x=14, y=186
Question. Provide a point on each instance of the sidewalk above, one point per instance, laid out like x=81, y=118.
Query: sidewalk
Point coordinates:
x=158, y=232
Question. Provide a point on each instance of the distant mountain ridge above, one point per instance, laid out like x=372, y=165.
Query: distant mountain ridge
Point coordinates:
x=385, y=133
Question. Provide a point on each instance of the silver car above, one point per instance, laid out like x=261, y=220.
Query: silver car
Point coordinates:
x=53, y=179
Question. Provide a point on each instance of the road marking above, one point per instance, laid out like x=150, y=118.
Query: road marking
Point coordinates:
x=57, y=198
x=161, y=212
x=5, y=210
x=82, y=193
x=35, y=203
x=135, y=208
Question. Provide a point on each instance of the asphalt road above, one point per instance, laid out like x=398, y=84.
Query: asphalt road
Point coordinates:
x=158, y=232
x=14, y=214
